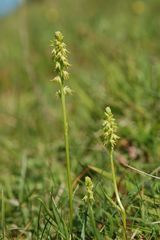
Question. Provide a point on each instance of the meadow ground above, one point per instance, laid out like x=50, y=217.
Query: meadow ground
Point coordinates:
x=115, y=57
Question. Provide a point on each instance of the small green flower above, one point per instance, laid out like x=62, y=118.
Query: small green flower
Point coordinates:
x=89, y=190
x=110, y=129
x=59, y=53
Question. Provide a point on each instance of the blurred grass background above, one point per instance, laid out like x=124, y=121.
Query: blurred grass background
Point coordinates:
x=115, y=57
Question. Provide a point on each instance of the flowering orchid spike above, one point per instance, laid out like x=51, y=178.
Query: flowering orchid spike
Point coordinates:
x=59, y=53
x=89, y=190
x=61, y=65
x=110, y=129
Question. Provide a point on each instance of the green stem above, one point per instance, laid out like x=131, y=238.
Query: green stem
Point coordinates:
x=65, y=122
x=97, y=237
x=123, y=213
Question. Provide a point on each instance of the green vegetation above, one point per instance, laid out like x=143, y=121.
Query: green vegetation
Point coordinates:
x=115, y=61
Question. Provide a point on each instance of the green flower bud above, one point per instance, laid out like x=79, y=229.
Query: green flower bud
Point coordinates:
x=110, y=129
x=89, y=190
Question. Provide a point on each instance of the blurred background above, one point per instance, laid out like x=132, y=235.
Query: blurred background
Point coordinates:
x=115, y=57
